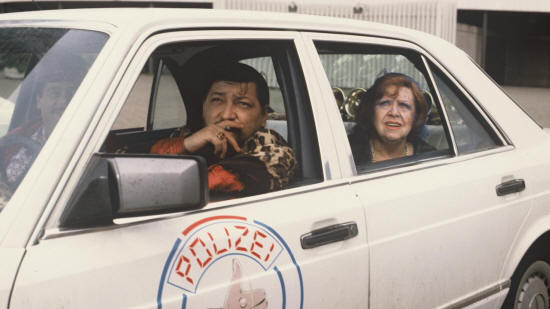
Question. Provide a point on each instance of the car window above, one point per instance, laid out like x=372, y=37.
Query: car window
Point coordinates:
x=134, y=112
x=161, y=93
x=352, y=70
x=169, y=108
x=277, y=114
x=155, y=87
x=41, y=68
x=265, y=66
x=470, y=130
x=172, y=98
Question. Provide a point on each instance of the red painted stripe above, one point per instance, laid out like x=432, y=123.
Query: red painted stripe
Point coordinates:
x=194, y=225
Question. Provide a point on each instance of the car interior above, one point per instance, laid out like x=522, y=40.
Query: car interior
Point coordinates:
x=352, y=68
x=190, y=63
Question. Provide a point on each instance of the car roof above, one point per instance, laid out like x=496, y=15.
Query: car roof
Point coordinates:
x=134, y=23
x=166, y=18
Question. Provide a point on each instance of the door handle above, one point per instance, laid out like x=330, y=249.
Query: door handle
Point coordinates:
x=509, y=187
x=329, y=234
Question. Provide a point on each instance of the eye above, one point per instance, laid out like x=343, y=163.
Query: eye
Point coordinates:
x=215, y=100
x=384, y=103
x=245, y=104
x=405, y=105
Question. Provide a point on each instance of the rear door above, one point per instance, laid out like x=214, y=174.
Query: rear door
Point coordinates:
x=438, y=230
x=268, y=250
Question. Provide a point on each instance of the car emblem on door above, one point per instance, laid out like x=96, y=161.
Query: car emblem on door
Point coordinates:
x=230, y=262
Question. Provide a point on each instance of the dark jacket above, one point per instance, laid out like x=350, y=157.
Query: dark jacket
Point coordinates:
x=359, y=140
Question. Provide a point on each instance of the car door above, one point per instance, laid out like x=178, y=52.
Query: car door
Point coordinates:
x=48, y=64
x=439, y=229
x=295, y=248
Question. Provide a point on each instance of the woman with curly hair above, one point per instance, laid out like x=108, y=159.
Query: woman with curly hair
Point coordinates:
x=390, y=117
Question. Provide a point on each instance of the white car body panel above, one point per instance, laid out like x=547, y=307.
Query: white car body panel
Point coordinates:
x=423, y=225
x=436, y=234
x=130, y=259
x=536, y=223
x=10, y=257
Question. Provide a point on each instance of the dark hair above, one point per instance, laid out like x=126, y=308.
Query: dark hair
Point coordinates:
x=241, y=73
x=365, y=111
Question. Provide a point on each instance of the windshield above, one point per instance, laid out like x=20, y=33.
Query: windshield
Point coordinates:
x=40, y=70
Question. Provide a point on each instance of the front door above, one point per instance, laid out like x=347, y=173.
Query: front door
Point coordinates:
x=282, y=249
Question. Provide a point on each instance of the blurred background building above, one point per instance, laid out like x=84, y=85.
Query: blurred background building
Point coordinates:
x=510, y=39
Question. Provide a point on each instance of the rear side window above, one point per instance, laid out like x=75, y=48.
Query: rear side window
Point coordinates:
x=397, y=110
x=352, y=70
x=471, y=132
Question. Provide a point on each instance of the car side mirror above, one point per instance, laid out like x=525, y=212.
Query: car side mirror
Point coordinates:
x=123, y=185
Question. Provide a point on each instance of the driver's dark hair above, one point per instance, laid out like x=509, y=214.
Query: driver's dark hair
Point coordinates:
x=241, y=73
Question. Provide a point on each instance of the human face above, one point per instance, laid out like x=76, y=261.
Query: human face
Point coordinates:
x=237, y=102
x=394, y=115
x=52, y=101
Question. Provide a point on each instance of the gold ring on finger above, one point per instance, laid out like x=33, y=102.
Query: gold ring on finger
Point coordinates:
x=220, y=136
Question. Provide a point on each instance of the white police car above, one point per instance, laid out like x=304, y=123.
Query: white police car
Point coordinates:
x=466, y=225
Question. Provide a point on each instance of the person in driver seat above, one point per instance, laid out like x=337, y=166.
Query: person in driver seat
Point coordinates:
x=243, y=156
x=53, y=82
